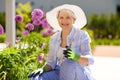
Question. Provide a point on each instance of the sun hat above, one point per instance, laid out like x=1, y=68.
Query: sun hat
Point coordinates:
x=80, y=22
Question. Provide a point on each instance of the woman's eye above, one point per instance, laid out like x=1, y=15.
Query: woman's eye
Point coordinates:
x=68, y=17
x=60, y=17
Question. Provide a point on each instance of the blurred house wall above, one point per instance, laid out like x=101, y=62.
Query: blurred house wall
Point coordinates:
x=89, y=6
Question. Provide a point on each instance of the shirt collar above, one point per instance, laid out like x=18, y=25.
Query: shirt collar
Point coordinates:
x=70, y=37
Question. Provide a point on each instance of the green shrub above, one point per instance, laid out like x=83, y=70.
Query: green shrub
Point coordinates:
x=2, y=38
x=104, y=25
x=107, y=42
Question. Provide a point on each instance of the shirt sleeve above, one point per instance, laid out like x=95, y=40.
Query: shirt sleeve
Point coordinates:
x=51, y=60
x=85, y=47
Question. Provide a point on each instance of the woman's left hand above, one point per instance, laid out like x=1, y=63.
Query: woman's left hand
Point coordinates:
x=69, y=53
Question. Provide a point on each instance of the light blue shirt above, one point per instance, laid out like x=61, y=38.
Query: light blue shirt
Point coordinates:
x=79, y=41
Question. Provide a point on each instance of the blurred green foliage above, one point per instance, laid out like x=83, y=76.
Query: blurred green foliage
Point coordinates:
x=2, y=38
x=105, y=26
x=105, y=41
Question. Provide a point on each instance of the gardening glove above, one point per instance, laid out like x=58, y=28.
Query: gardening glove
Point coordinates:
x=69, y=53
x=37, y=72
x=65, y=52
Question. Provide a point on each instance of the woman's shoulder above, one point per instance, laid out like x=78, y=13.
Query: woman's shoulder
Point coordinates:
x=82, y=32
x=55, y=34
x=84, y=35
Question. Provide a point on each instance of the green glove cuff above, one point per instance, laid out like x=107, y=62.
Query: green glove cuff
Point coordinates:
x=77, y=56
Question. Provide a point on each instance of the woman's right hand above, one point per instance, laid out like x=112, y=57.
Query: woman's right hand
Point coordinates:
x=35, y=73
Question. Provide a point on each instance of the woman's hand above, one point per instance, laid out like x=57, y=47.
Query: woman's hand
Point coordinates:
x=69, y=53
x=35, y=73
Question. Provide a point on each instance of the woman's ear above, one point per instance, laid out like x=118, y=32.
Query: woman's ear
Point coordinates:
x=74, y=20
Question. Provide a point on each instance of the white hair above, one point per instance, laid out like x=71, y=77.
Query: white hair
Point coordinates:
x=68, y=11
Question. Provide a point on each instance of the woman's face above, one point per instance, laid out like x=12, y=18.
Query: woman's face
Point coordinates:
x=65, y=19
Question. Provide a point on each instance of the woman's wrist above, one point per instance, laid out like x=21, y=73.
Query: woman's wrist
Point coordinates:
x=47, y=68
x=77, y=57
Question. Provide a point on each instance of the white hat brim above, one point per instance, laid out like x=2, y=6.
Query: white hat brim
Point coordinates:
x=80, y=22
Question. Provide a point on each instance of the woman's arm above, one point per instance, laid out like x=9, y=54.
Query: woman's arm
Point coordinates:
x=83, y=60
x=47, y=68
x=85, y=47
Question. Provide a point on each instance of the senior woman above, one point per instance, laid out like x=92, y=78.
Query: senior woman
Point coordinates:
x=69, y=55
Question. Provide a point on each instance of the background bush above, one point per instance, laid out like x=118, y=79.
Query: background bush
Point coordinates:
x=2, y=38
x=105, y=26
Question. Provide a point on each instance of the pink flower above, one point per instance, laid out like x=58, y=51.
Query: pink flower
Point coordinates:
x=26, y=33
x=30, y=26
x=43, y=45
x=37, y=22
x=110, y=36
x=41, y=58
x=34, y=18
x=19, y=18
x=46, y=56
x=8, y=44
x=47, y=32
x=1, y=29
x=38, y=13
x=45, y=23
x=18, y=39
